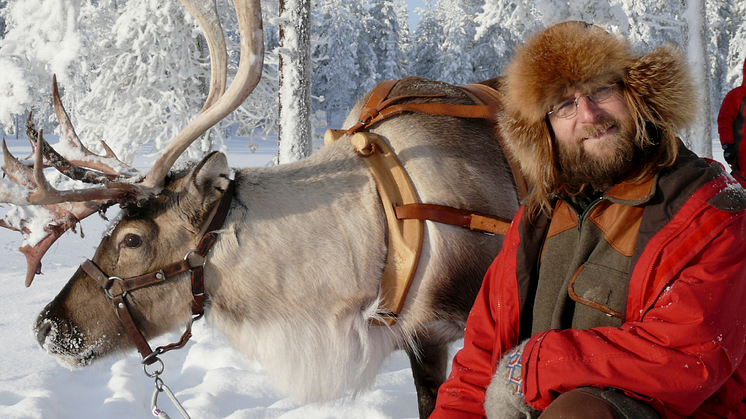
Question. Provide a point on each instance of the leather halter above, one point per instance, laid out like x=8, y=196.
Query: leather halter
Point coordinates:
x=194, y=261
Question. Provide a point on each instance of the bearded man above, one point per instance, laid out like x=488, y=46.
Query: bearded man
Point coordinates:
x=620, y=287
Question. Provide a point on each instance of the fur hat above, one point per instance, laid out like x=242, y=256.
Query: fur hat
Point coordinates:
x=555, y=62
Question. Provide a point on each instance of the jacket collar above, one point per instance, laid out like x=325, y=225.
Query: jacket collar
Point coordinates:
x=633, y=193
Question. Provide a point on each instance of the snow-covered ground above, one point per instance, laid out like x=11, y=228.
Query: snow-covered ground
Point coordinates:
x=208, y=376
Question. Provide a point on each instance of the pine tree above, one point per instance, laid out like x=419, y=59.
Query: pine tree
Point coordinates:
x=457, y=66
x=499, y=27
x=367, y=59
x=337, y=72
x=405, y=36
x=424, y=56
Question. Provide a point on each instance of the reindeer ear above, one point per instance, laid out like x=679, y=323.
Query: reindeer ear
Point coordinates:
x=211, y=177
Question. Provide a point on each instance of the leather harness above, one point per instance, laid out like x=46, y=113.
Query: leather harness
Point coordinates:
x=404, y=213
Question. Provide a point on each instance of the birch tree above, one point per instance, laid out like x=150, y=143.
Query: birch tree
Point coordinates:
x=700, y=135
x=295, y=130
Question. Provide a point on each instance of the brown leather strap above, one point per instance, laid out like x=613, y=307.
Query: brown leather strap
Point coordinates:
x=378, y=107
x=129, y=325
x=488, y=102
x=453, y=216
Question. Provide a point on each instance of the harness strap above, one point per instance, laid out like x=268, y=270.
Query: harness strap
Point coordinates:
x=453, y=216
x=378, y=107
x=488, y=101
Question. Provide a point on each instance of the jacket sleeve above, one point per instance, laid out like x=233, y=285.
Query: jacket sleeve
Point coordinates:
x=727, y=117
x=684, y=344
x=462, y=395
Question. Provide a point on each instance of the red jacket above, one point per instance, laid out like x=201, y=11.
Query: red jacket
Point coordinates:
x=732, y=124
x=684, y=335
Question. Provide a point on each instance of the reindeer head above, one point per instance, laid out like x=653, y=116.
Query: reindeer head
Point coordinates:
x=80, y=324
x=162, y=218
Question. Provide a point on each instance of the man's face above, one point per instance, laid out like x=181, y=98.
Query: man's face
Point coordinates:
x=595, y=144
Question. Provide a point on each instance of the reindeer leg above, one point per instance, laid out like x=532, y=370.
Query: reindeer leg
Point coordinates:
x=429, y=364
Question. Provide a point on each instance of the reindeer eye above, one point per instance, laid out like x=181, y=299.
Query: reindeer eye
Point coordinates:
x=132, y=241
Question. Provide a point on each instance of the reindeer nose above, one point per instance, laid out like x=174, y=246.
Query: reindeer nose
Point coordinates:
x=42, y=331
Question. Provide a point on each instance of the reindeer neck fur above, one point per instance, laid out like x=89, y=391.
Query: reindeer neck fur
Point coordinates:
x=302, y=313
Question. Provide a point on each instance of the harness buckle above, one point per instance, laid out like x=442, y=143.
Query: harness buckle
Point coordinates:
x=110, y=283
x=195, y=262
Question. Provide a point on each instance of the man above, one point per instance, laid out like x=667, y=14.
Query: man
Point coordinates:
x=620, y=287
x=732, y=128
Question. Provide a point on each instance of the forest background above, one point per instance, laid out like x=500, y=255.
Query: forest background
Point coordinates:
x=135, y=72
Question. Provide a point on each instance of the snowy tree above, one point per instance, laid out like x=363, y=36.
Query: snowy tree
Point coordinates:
x=43, y=37
x=424, y=56
x=737, y=47
x=603, y=13
x=382, y=34
x=336, y=75
x=149, y=82
x=700, y=134
x=3, y=4
x=722, y=20
x=457, y=65
x=499, y=27
x=258, y=116
x=295, y=135
x=405, y=38
x=367, y=76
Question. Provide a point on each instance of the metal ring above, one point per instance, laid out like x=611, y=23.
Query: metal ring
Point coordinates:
x=186, y=257
x=155, y=373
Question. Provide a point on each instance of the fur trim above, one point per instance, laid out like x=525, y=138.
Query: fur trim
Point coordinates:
x=574, y=55
x=500, y=398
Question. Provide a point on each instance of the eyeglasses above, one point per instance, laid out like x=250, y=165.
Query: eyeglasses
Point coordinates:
x=567, y=108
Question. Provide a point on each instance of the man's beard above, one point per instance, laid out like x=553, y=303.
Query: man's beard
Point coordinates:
x=580, y=169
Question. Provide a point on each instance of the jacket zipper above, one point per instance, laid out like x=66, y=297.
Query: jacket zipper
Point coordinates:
x=586, y=211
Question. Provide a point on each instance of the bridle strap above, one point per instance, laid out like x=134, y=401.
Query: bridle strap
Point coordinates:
x=117, y=288
x=129, y=325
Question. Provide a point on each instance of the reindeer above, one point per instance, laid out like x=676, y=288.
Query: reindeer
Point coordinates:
x=291, y=270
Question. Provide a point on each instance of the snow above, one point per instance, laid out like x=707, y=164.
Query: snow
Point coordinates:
x=209, y=377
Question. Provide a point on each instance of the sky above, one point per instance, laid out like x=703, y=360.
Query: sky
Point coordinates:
x=414, y=17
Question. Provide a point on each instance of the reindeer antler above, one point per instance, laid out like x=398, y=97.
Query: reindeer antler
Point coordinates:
x=249, y=72
x=113, y=181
